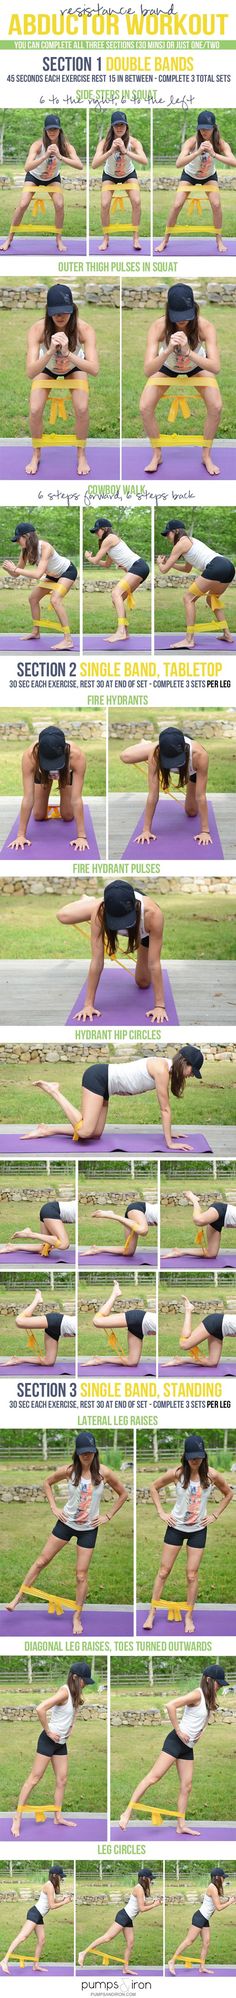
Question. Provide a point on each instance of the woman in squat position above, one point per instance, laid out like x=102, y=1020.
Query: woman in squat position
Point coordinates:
x=57, y=1716
x=182, y=343
x=194, y=1483
x=79, y=1518
x=43, y=170
x=54, y=577
x=47, y=1904
x=198, y=158
x=214, y=573
x=117, y=154
x=61, y=347
x=112, y=549
x=138, y=1904
x=104, y=1080
x=173, y=751
x=189, y=1714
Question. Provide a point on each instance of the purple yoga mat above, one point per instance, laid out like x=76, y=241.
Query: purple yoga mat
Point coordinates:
x=218, y=1622
x=121, y=1002
x=89, y=1829
x=51, y=841
x=32, y=1620
x=175, y=836
x=64, y=1369
x=138, y=1970
x=60, y=462
x=225, y=1369
x=145, y=1371
x=22, y=1259
x=206, y=644
x=180, y=463
x=44, y=246
x=195, y=246
x=135, y=1142
x=47, y=1969
x=14, y=641
x=115, y=1260
x=96, y=646
x=190, y=1261
x=148, y=1833
x=121, y=246
x=217, y=1970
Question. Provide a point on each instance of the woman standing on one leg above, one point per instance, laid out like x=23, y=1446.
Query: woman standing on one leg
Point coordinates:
x=112, y=549
x=47, y=1903
x=182, y=343
x=189, y=1714
x=79, y=1518
x=212, y=1904
x=138, y=1904
x=57, y=1715
x=34, y=1318
x=194, y=1483
x=136, y=1322
x=132, y=1078
x=218, y=1215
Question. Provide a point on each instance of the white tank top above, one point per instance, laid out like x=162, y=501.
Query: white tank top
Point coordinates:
x=175, y=362
x=229, y=1325
x=199, y=555
x=52, y=364
x=201, y=166
x=143, y=932
x=207, y=1907
x=230, y=1217
x=190, y=1509
x=112, y=164
x=46, y=165
x=67, y=1210
x=129, y=1078
x=83, y=1504
x=68, y=1325
x=131, y=1907
x=61, y=1719
x=151, y=1214
x=56, y=564
x=149, y=1321
x=42, y=1902
x=193, y=1720
x=123, y=555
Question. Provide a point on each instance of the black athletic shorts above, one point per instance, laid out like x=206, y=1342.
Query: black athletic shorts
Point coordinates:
x=173, y=1746
x=219, y=569
x=124, y=1920
x=70, y=571
x=175, y=1537
x=193, y=180
x=134, y=1322
x=50, y=1210
x=200, y=1921
x=139, y=1205
x=214, y=1324
x=64, y=1532
x=46, y=1746
x=33, y=1915
x=139, y=568
x=221, y=1206
x=164, y=370
x=122, y=180
x=96, y=1079
x=42, y=183
x=54, y=1323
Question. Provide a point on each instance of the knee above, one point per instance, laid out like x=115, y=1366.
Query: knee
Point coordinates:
x=191, y=1574
x=143, y=981
x=216, y=398
x=144, y=400
x=54, y=600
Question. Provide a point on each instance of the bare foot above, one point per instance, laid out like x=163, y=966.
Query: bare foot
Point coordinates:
x=189, y=1830
x=125, y=1818
x=77, y=1625
x=59, y=243
x=59, y=1820
x=182, y=644
x=116, y=1289
x=15, y=1601
x=39, y=1131
x=104, y=245
x=189, y=1626
x=214, y=470
x=119, y=637
x=171, y=1966
x=4, y=1963
x=154, y=462
x=226, y=637
x=81, y=1958
x=49, y=1088
x=33, y=464
x=149, y=1621
x=222, y=247
x=161, y=246
x=35, y=633
x=64, y=644
x=136, y=244
x=83, y=466
x=38, y=1297
x=15, y=1827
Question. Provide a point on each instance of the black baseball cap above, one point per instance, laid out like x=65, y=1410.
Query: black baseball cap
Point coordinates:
x=194, y=1447
x=195, y=1059
x=207, y=120
x=120, y=906
x=57, y=1868
x=181, y=303
x=83, y=1670
x=52, y=122
x=172, y=748
x=85, y=1441
x=100, y=522
x=24, y=527
x=118, y=118
x=170, y=527
x=146, y=1873
x=215, y=1672
x=52, y=748
x=59, y=299
x=218, y=1873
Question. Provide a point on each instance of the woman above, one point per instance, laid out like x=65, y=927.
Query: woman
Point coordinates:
x=189, y=1714
x=112, y=550
x=214, y=574
x=54, y=577
x=136, y=1322
x=141, y=1215
x=212, y=1904
x=46, y=1904
x=194, y=1483
x=182, y=343
x=55, y=1215
x=54, y=1324
x=217, y=1215
x=197, y=159
x=57, y=1715
x=122, y=912
x=173, y=751
x=79, y=1516
x=116, y=154
x=61, y=347
x=216, y=1326
x=43, y=170
x=104, y=1080
x=138, y=1904
x=48, y=760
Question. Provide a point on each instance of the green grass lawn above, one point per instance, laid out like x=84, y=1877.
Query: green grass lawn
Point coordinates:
x=111, y=1572
x=94, y=1915
x=135, y=1745
x=212, y=933
x=135, y=330
x=216, y=1582
x=218, y=736
x=15, y=1294
x=12, y=745
x=163, y=197
x=104, y=389
x=93, y=1343
x=74, y=207
x=18, y=1892
x=86, y=1782
x=27, y=1194
x=114, y=1187
x=16, y=614
x=20, y=1103
x=178, y=1231
x=170, y=614
x=204, y=1297
x=183, y=1897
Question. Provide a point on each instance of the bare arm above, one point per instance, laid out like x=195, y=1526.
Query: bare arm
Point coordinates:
x=137, y=152
x=116, y=1485
x=27, y=800
x=182, y=547
x=34, y=362
x=227, y=1490
x=211, y=361
x=73, y=156
x=108, y=543
x=155, y=335
x=187, y=152
x=90, y=365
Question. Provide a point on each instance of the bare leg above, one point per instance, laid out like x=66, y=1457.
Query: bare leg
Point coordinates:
x=57, y=198
x=106, y=1309
x=27, y=1930
x=81, y=413
x=26, y=196
x=151, y=396
x=169, y=1557
x=52, y=1547
x=40, y=1933
x=84, y=1557
x=180, y=197
x=185, y=1773
x=106, y=199
x=60, y=1768
x=108, y=1935
x=191, y=1937
x=213, y=403
x=39, y=1766
x=213, y=195
x=194, y=1558
x=58, y=605
x=159, y=1769
x=205, y=1218
x=26, y=1317
x=38, y=398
